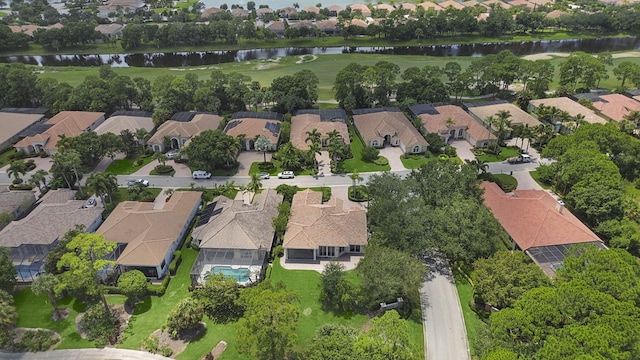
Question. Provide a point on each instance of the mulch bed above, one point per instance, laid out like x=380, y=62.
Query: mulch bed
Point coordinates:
x=178, y=345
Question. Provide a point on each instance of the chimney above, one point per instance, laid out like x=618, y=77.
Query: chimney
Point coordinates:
x=560, y=206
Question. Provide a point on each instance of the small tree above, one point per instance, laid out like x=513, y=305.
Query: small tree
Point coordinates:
x=355, y=176
x=255, y=185
x=263, y=144
x=162, y=158
x=101, y=325
x=8, y=317
x=46, y=284
x=17, y=169
x=219, y=296
x=186, y=315
x=335, y=290
x=133, y=285
x=7, y=271
x=370, y=154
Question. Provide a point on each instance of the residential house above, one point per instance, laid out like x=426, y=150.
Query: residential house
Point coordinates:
x=556, y=14
x=334, y=10
x=65, y=123
x=250, y=125
x=174, y=134
x=428, y=5
x=573, y=108
x=15, y=203
x=15, y=124
x=240, y=13
x=329, y=27
x=235, y=237
x=538, y=224
x=410, y=7
x=147, y=234
x=324, y=121
x=31, y=238
x=110, y=30
x=29, y=29
x=277, y=27
x=288, y=12
x=124, y=6
x=523, y=3
x=481, y=111
x=356, y=22
x=497, y=3
x=451, y=122
x=450, y=3
x=264, y=11
x=323, y=230
x=210, y=11
x=312, y=9
x=383, y=6
x=613, y=106
x=126, y=120
x=364, y=9
x=388, y=126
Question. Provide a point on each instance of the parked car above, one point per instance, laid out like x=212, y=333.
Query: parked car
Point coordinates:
x=264, y=176
x=91, y=202
x=286, y=175
x=172, y=154
x=142, y=182
x=201, y=174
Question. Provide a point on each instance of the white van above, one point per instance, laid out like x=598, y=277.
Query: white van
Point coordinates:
x=200, y=174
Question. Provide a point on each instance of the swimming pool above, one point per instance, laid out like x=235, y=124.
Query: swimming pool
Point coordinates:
x=241, y=275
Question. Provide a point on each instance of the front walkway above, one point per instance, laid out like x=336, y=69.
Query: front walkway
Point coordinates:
x=393, y=155
x=349, y=261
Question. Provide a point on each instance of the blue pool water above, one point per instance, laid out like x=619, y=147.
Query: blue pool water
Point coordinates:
x=240, y=275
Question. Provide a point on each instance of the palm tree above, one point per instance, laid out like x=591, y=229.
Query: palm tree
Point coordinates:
x=232, y=151
x=314, y=136
x=314, y=148
x=255, y=185
x=335, y=144
x=142, y=135
x=102, y=184
x=263, y=144
x=355, y=176
x=39, y=178
x=503, y=123
x=162, y=158
x=634, y=117
x=16, y=169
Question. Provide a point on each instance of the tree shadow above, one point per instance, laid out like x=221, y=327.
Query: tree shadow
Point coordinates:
x=143, y=306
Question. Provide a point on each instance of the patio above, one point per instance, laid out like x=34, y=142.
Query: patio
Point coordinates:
x=349, y=261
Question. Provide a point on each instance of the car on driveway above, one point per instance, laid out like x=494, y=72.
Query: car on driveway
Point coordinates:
x=172, y=154
x=91, y=202
x=264, y=176
x=142, y=182
x=286, y=175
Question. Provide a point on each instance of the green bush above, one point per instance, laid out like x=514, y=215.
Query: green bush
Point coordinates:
x=443, y=157
x=30, y=165
x=278, y=251
x=381, y=161
x=139, y=162
x=326, y=194
x=101, y=325
x=266, y=166
x=152, y=345
x=361, y=195
x=34, y=341
x=477, y=151
x=163, y=169
x=370, y=154
x=159, y=290
x=173, y=266
x=450, y=151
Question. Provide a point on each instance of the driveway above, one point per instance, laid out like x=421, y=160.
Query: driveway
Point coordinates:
x=41, y=163
x=182, y=170
x=246, y=158
x=324, y=163
x=393, y=155
x=341, y=192
x=84, y=354
x=463, y=149
x=445, y=335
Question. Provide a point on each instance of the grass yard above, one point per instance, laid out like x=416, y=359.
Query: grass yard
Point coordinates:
x=35, y=312
x=4, y=156
x=505, y=181
x=415, y=161
x=506, y=153
x=534, y=174
x=306, y=283
x=472, y=322
x=356, y=163
x=127, y=166
x=255, y=169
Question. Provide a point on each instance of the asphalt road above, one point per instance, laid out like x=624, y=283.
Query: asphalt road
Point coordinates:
x=84, y=354
x=445, y=336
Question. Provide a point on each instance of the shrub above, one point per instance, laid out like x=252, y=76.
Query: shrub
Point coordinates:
x=139, y=162
x=266, y=165
x=20, y=154
x=370, y=154
x=43, y=154
x=443, y=157
x=101, y=325
x=163, y=169
x=381, y=161
x=33, y=341
x=361, y=194
x=177, y=259
x=278, y=251
x=450, y=151
x=326, y=193
x=187, y=314
x=159, y=290
x=152, y=345
x=30, y=165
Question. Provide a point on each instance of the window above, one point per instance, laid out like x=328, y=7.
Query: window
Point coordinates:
x=327, y=251
x=460, y=133
x=416, y=149
x=164, y=262
x=374, y=143
x=355, y=248
x=246, y=255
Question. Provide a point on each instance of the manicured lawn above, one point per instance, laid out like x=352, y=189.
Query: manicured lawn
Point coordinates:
x=255, y=169
x=306, y=284
x=356, y=163
x=127, y=166
x=505, y=181
x=472, y=322
x=4, y=156
x=35, y=312
x=534, y=174
x=504, y=155
x=415, y=161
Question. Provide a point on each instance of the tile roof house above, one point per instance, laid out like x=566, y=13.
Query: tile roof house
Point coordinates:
x=16, y=202
x=323, y=230
x=523, y=3
x=435, y=119
x=615, y=106
x=382, y=126
x=30, y=239
x=180, y=132
x=277, y=27
x=383, y=6
x=235, y=237
x=555, y=14
x=147, y=235
x=408, y=6
x=264, y=11
x=121, y=121
x=210, y=11
x=14, y=124
x=573, y=108
x=110, y=30
x=312, y=9
x=537, y=224
x=334, y=10
x=450, y=3
x=481, y=111
x=329, y=27
x=67, y=123
x=252, y=125
x=240, y=13
x=303, y=122
x=364, y=9
x=498, y=3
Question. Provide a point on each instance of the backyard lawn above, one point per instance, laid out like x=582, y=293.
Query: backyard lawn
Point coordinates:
x=127, y=166
x=356, y=163
x=472, y=322
x=506, y=153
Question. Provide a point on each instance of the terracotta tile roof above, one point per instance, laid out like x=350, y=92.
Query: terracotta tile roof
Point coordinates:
x=68, y=123
x=300, y=124
x=572, y=107
x=240, y=225
x=185, y=129
x=116, y=124
x=408, y=6
x=357, y=22
x=532, y=219
x=109, y=29
x=523, y=3
x=336, y=8
x=252, y=128
x=210, y=11
x=454, y=4
x=438, y=123
x=387, y=7
x=276, y=26
x=497, y=2
x=312, y=9
x=371, y=125
x=556, y=14
x=363, y=8
x=302, y=23
x=313, y=224
x=616, y=106
x=471, y=3
x=149, y=233
x=13, y=124
x=518, y=117
x=50, y=220
x=240, y=13
x=541, y=2
x=327, y=24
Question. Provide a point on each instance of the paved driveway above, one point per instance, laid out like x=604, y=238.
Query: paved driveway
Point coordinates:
x=324, y=163
x=445, y=335
x=393, y=155
x=182, y=170
x=463, y=149
x=246, y=158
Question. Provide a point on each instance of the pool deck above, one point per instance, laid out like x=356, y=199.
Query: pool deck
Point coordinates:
x=253, y=270
x=349, y=261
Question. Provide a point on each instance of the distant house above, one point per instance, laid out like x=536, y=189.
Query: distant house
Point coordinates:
x=481, y=111
x=15, y=124
x=67, y=123
x=324, y=121
x=538, y=224
x=498, y=3
x=334, y=10
x=408, y=6
x=240, y=13
x=110, y=30
x=364, y=9
x=30, y=239
x=573, y=108
x=277, y=27
x=555, y=14
x=126, y=120
x=613, y=106
x=147, y=235
x=254, y=124
x=523, y=3
x=125, y=6
x=450, y=3
x=323, y=230
x=15, y=203
x=451, y=122
x=288, y=13
x=264, y=11
x=428, y=5
x=329, y=27
x=388, y=126
x=177, y=133
x=235, y=238
x=210, y=11
x=383, y=6
x=312, y=9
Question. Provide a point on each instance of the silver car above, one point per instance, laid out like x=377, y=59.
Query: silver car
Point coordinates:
x=264, y=176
